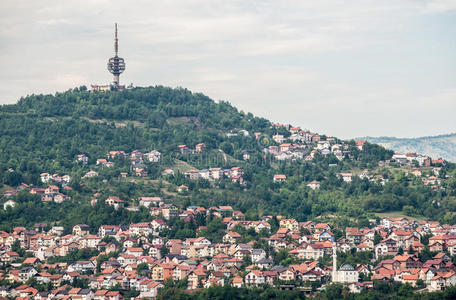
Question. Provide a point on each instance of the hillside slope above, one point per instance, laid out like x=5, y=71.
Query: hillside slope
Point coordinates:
x=46, y=133
x=435, y=146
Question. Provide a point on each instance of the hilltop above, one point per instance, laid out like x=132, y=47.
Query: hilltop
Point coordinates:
x=435, y=146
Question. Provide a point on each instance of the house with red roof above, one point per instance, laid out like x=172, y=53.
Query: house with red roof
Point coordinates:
x=279, y=178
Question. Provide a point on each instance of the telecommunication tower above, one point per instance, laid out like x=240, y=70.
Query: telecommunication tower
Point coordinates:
x=116, y=64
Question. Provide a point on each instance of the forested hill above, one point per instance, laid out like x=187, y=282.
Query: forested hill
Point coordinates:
x=434, y=146
x=46, y=133
x=58, y=127
x=150, y=106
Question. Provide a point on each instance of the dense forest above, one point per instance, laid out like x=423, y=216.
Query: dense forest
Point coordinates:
x=45, y=133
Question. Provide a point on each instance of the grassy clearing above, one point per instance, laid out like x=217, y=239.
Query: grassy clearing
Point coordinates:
x=398, y=214
x=116, y=123
x=182, y=166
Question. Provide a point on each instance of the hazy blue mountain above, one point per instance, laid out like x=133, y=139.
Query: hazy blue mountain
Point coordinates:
x=435, y=146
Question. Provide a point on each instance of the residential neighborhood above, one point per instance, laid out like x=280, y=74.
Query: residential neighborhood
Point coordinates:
x=141, y=257
x=198, y=216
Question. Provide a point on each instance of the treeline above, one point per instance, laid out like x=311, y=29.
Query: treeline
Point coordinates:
x=152, y=106
x=30, y=210
x=227, y=292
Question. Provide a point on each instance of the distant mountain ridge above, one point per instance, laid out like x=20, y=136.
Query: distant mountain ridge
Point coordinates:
x=435, y=146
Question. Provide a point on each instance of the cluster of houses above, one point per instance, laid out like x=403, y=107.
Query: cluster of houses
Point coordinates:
x=422, y=160
x=199, y=148
x=46, y=177
x=51, y=193
x=429, y=176
x=303, y=144
x=137, y=161
x=142, y=259
x=403, y=235
x=298, y=136
x=307, y=151
x=235, y=174
x=300, y=144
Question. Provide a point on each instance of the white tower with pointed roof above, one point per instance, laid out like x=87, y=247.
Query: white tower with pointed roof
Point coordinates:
x=334, y=270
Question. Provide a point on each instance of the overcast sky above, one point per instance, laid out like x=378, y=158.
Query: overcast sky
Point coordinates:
x=343, y=68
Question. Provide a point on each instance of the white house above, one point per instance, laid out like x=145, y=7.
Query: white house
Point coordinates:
x=153, y=156
x=9, y=203
x=314, y=185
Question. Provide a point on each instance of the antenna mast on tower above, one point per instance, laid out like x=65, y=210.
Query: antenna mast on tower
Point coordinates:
x=116, y=42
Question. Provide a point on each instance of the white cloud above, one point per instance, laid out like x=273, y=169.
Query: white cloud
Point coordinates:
x=281, y=59
x=433, y=6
